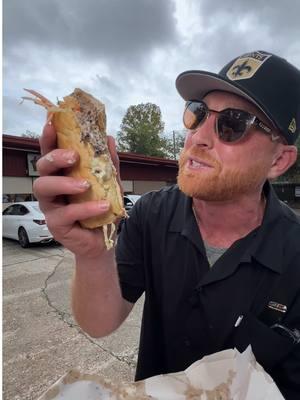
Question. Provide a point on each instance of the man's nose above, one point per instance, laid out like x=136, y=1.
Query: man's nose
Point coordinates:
x=204, y=135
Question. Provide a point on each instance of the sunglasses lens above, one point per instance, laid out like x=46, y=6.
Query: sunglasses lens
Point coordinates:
x=232, y=125
x=194, y=114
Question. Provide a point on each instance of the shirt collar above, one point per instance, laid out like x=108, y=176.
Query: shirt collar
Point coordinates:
x=267, y=244
x=184, y=222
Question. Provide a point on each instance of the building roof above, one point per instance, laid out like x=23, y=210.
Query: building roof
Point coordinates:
x=29, y=144
x=20, y=143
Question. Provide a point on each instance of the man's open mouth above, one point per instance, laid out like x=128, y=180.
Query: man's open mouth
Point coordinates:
x=197, y=164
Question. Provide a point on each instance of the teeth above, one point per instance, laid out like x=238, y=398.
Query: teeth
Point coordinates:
x=197, y=164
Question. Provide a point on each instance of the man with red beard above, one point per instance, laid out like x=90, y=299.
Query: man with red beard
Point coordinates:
x=218, y=256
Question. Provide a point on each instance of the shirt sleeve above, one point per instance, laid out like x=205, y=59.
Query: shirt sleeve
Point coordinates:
x=129, y=255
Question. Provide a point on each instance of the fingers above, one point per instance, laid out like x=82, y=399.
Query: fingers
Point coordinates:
x=48, y=139
x=67, y=216
x=55, y=160
x=52, y=186
x=51, y=191
x=62, y=222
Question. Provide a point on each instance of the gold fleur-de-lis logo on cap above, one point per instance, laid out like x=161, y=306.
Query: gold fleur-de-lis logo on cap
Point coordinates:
x=240, y=69
x=247, y=65
x=292, y=126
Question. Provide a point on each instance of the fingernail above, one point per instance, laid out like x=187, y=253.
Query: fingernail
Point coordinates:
x=49, y=157
x=103, y=205
x=69, y=156
x=83, y=184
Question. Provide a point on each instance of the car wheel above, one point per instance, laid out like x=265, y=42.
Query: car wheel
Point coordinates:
x=23, y=238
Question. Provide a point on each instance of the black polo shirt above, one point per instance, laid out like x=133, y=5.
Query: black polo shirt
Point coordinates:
x=191, y=309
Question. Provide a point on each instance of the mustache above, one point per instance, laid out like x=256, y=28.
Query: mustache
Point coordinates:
x=199, y=153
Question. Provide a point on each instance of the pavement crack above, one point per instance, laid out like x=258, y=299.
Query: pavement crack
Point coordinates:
x=64, y=316
x=129, y=359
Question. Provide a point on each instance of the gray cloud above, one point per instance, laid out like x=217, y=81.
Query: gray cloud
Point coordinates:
x=127, y=52
x=238, y=26
x=275, y=16
x=14, y=112
x=106, y=85
x=116, y=29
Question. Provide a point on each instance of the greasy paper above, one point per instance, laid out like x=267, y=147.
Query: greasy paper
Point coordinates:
x=227, y=375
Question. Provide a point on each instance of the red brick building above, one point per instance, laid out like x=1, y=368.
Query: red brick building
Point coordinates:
x=139, y=174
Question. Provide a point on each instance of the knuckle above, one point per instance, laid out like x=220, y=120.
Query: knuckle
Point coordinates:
x=38, y=165
x=43, y=163
x=36, y=186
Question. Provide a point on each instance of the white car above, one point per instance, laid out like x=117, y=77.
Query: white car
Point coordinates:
x=26, y=223
x=130, y=200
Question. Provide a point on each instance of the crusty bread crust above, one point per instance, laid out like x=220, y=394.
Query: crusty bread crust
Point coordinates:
x=94, y=166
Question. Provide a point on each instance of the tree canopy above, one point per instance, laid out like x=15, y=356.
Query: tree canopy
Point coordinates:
x=141, y=130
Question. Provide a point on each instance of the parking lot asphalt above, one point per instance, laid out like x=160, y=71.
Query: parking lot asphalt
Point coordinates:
x=41, y=340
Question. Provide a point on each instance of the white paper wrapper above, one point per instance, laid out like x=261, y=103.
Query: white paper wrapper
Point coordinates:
x=227, y=375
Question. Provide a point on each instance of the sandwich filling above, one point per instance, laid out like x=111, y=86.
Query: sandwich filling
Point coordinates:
x=92, y=121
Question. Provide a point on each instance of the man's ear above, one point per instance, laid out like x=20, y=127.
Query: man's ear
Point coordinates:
x=284, y=158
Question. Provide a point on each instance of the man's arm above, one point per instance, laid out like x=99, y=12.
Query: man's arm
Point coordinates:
x=97, y=301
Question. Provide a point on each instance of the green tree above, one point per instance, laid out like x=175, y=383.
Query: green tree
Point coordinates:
x=178, y=138
x=141, y=130
x=174, y=143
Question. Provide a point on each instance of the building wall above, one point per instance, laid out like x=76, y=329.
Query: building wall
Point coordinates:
x=16, y=188
x=141, y=187
x=147, y=172
x=139, y=174
x=20, y=188
x=14, y=163
x=11, y=184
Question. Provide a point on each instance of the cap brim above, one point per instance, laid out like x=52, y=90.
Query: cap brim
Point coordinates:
x=194, y=85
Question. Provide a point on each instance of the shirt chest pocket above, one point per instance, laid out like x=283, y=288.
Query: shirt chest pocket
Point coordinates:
x=269, y=347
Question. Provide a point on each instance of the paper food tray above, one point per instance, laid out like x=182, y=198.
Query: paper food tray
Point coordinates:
x=227, y=375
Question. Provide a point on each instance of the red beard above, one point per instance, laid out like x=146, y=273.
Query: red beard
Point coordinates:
x=218, y=183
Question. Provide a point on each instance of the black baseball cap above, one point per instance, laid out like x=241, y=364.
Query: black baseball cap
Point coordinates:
x=266, y=80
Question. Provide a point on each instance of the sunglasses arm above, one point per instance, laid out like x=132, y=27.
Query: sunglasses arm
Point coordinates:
x=265, y=129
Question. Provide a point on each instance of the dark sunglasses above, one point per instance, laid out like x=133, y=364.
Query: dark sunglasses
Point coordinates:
x=231, y=124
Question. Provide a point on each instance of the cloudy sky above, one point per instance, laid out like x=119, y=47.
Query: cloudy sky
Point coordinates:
x=128, y=52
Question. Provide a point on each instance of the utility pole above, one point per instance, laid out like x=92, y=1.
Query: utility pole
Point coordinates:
x=174, y=145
